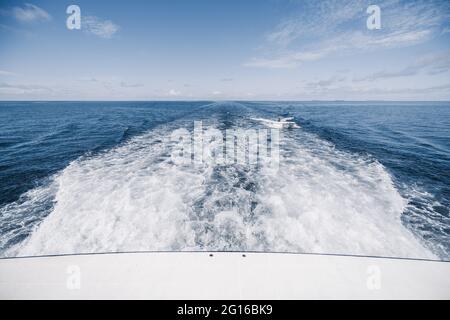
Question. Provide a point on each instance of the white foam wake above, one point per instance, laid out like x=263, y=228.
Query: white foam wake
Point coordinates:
x=327, y=201
x=130, y=198
x=135, y=198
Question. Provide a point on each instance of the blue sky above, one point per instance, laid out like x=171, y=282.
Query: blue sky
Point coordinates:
x=225, y=50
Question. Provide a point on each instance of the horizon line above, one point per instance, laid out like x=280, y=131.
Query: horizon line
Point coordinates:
x=226, y=100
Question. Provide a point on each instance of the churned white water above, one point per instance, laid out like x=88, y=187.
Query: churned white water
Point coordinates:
x=135, y=197
x=324, y=200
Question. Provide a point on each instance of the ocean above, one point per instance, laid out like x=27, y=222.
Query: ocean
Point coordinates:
x=357, y=178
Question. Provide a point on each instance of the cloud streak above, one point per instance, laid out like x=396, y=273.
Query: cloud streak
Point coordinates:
x=338, y=27
x=7, y=73
x=99, y=27
x=325, y=84
x=24, y=88
x=30, y=13
x=174, y=93
x=124, y=84
x=431, y=64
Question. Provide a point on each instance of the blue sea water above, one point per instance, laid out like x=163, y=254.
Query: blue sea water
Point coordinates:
x=370, y=178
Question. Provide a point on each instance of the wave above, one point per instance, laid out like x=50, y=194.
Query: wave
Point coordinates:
x=134, y=197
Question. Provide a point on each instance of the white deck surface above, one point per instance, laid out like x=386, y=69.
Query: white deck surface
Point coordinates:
x=223, y=276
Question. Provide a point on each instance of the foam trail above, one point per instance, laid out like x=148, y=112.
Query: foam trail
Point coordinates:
x=324, y=200
x=130, y=198
x=135, y=197
x=17, y=219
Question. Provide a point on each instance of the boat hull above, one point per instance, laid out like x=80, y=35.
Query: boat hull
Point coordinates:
x=203, y=275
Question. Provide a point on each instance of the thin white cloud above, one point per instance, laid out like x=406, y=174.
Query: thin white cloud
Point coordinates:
x=362, y=91
x=408, y=71
x=7, y=73
x=30, y=13
x=124, y=84
x=291, y=59
x=323, y=28
x=285, y=61
x=24, y=87
x=174, y=93
x=432, y=64
x=99, y=27
x=315, y=18
x=326, y=83
x=398, y=91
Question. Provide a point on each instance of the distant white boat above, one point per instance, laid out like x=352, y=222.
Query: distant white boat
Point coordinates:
x=281, y=123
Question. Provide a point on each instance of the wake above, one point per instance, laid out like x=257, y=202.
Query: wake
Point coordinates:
x=135, y=198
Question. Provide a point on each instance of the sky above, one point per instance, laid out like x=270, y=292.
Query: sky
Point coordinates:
x=225, y=50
